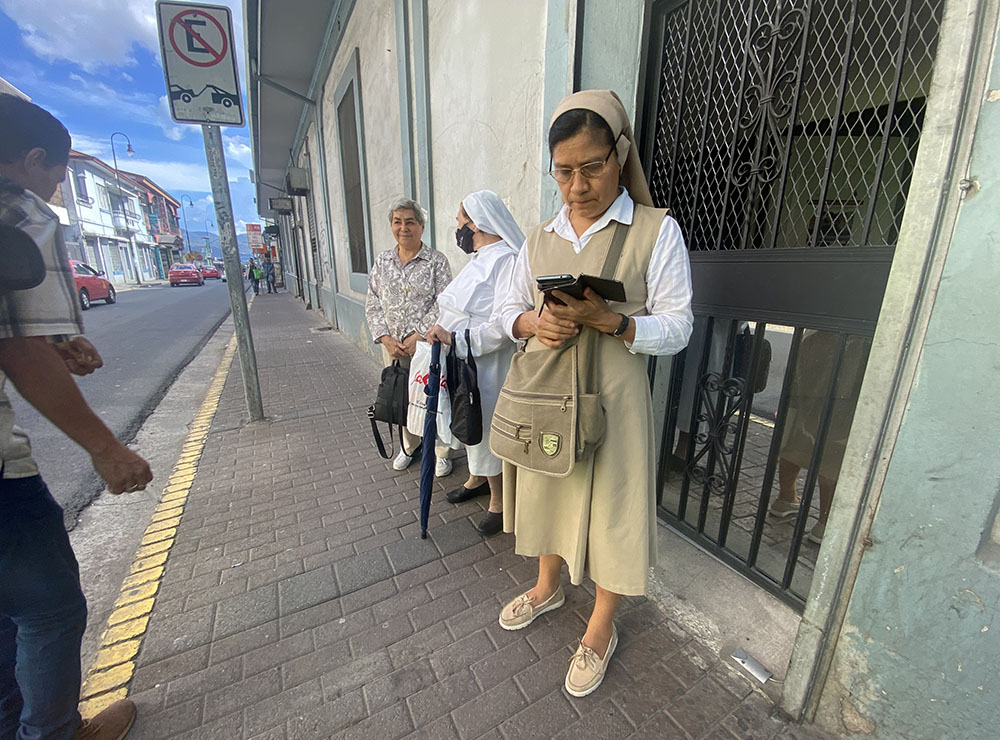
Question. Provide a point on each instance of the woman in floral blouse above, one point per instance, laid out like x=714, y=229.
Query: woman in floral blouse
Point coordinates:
x=403, y=287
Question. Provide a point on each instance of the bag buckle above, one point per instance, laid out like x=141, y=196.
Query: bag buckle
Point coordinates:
x=371, y=411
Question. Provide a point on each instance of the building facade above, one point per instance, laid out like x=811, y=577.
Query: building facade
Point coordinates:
x=160, y=211
x=112, y=222
x=826, y=435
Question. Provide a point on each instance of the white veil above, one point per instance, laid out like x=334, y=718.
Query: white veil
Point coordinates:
x=489, y=214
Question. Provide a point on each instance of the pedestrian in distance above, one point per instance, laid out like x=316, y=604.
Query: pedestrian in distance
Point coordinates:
x=253, y=275
x=600, y=517
x=43, y=612
x=487, y=231
x=401, y=305
x=269, y=274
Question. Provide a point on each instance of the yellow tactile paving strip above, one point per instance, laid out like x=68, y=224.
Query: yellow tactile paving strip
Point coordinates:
x=108, y=677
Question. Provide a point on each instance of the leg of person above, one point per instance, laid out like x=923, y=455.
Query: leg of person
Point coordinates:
x=590, y=662
x=41, y=597
x=826, y=490
x=787, y=503
x=546, y=595
x=10, y=695
x=442, y=463
x=492, y=521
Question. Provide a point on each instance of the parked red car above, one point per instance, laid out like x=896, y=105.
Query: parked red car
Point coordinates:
x=91, y=285
x=209, y=271
x=184, y=272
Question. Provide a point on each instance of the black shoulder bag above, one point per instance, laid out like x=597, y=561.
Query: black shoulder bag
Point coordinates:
x=391, y=404
x=463, y=388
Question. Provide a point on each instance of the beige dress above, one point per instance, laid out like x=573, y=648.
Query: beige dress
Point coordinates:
x=601, y=519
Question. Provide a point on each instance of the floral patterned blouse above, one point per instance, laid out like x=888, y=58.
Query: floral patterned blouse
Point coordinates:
x=403, y=298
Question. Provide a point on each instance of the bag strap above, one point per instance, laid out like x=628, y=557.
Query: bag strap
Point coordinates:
x=378, y=437
x=615, y=251
x=469, y=357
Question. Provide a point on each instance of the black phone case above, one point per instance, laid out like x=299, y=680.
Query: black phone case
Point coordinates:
x=609, y=290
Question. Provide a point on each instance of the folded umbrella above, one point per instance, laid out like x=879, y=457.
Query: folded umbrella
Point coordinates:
x=427, y=460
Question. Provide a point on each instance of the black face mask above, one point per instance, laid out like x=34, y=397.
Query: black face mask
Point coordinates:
x=463, y=237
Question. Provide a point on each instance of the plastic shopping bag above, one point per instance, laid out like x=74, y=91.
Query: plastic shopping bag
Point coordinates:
x=417, y=411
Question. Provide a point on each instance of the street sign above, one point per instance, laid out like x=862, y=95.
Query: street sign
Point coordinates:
x=254, y=239
x=199, y=63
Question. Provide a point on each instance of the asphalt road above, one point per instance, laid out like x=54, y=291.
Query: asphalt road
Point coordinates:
x=146, y=339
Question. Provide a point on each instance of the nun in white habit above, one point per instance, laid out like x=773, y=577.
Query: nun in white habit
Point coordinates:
x=488, y=232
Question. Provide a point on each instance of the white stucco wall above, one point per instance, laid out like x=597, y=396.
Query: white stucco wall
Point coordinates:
x=486, y=62
x=372, y=29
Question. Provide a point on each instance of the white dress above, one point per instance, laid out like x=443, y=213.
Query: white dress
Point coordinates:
x=468, y=303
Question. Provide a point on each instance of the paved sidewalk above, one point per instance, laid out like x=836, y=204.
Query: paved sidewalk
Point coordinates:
x=298, y=601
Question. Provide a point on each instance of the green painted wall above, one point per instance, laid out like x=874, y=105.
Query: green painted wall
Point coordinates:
x=919, y=656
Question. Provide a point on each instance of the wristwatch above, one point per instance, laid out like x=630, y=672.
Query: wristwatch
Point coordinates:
x=622, y=327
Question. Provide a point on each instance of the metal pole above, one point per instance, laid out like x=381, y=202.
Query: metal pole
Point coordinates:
x=121, y=194
x=230, y=256
x=208, y=245
x=187, y=236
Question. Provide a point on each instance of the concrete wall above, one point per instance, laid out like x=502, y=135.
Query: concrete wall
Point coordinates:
x=486, y=123
x=918, y=653
x=371, y=29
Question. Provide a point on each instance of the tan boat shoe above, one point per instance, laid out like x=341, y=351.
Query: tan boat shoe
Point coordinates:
x=111, y=724
x=586, y=670
x=781, y=509
x=519, y=613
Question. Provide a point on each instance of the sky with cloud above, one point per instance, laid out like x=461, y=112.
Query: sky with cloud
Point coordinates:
x=96, y=66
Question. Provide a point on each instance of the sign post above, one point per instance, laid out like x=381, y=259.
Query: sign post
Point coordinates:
x=199, y=66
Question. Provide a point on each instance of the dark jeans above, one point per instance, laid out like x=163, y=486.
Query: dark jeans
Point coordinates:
x=256, y=285
x=270, y=284
x=42, y=616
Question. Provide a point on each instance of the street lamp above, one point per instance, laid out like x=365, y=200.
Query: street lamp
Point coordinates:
x=121, y=194
x=187, y=236
x=208, y=244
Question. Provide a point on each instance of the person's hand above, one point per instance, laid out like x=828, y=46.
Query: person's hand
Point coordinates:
x=410, y=344
x=122, y=470
x=437, y=333
x=395, y=348
x=80, y=356
x=591, y=311
x=552, y=330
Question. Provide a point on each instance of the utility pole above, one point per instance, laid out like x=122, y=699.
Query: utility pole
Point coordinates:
x=194, y=60
x=231, y=259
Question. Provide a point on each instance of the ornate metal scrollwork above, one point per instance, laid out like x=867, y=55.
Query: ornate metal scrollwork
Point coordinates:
x=772, y=75
x=718, y=426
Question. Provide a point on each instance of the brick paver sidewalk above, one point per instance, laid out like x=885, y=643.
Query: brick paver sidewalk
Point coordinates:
x=299, y=602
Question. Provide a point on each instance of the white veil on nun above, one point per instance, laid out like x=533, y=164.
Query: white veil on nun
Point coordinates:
x=489, y=214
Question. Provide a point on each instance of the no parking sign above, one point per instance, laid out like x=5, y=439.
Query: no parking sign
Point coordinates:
x=199, y=63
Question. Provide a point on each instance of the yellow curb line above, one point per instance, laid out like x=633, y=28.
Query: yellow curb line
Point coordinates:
x=113, y=666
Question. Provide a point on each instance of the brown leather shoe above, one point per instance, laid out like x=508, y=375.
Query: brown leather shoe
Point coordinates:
x=111, y=724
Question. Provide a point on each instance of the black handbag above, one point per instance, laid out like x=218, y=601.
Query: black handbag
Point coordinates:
x=756, y=377
x=463, y=388
x=21, y=264
x=391, y=404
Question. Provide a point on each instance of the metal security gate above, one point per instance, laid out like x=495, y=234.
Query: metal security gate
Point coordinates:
x=782, y=135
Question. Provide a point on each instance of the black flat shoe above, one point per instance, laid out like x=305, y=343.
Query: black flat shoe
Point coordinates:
x=462, y=493
x=490, y=524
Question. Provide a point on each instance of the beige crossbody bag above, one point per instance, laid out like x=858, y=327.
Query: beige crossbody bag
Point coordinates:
x=549, y=413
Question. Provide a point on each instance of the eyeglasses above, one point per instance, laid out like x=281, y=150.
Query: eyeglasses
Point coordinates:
x=590, y=170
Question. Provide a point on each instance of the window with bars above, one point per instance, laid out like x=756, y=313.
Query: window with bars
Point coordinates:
x=790, y=124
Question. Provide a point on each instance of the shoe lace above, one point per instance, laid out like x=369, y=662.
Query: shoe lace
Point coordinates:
x=585, y=658
x=522, y=605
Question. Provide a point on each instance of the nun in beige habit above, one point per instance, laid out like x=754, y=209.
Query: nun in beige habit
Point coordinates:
x=600, y=520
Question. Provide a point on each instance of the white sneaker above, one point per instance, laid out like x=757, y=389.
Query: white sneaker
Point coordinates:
x=442, y=467
x=402, y=461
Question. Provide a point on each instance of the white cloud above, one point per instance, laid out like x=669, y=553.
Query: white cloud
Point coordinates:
x=238, y=149
x=97, y=34
x=173, y=176
x=94, y=34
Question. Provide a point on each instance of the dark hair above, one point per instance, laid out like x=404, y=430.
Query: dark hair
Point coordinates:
x=576, y=121
x=25, y=126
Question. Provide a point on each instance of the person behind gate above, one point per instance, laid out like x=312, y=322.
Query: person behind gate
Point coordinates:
x=599, y=520
x=488, y=231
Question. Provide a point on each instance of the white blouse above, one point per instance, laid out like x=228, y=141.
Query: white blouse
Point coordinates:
x=667, y=328
x=470, y=299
